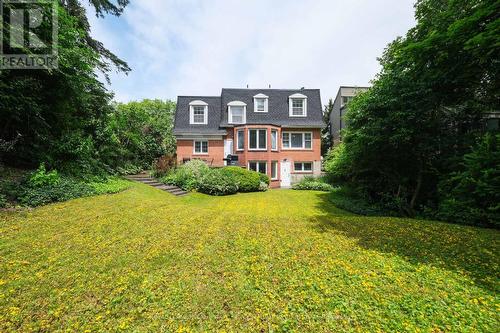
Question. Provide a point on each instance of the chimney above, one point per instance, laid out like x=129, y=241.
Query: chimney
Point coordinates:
x=269, y=86
x=247, y=86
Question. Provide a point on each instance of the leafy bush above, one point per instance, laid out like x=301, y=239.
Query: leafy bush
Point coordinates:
x=337, y=164
x=264, y=178
x=312, y=184
x=218, y=182
x=64, y=189
x=110, y=185
x=263, y=186
x=246, y=180
x=3, y=201
x=164, y=164
x=129, y=169
x=41, y=177
x=188, y=175
x=350, y=200
x=472, y=196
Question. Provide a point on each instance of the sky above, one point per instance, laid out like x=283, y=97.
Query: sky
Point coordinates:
x=198, y=47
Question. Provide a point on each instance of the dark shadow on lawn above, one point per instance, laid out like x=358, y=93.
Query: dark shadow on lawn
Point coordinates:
x=472, y=250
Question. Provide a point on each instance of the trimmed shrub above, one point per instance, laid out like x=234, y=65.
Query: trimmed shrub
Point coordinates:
x=218, y=182
x=311, y=183
x=246, y=180
x=188, y=175
x=264, y=178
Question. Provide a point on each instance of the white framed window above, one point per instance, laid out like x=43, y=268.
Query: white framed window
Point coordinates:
x=296, y=140
x=259, y=166
x=260, y=103
x=305, y=167
x=257, y=139
x=200, y=147
x=274, y=170
x=198, y=113
x=274, y=140
x=240, y=139
x=237, y=112
x=298, y=105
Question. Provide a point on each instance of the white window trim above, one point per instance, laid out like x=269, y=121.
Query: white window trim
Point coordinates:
x=290, y=105
x=258, y=163
x=276, y=171
x=230, y=114
x=257, y=149
x=290, y=140
x=277, y=140
x=201, y=146
x=238, y=140
x=302, y=169
x=191, y=112
x=266, y=103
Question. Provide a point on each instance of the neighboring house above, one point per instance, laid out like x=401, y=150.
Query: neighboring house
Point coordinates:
x=273, y=131
x=337, y=123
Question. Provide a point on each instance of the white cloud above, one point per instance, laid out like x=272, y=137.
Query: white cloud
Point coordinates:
x=179, y=47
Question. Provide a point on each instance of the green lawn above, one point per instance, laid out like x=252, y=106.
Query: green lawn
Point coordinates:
x=145, y=261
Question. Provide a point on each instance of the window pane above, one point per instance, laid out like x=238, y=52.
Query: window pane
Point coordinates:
x=262, y=167
x=297, y=166
x=236, y=114
x=262, y=139
x=307, y=140
x=297, y=107
x=296, y=140
x=286, y=140
x=199, y=114
x=274, y=170
x=260, y=104
x=204, y=146
x=252, y=166
x=274, y=140
x=197, y=146
x=241, y=139
x=308, y=166
x=253, y=139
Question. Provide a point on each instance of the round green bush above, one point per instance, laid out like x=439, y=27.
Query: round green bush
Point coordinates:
x=217, y=182
x=246, y=180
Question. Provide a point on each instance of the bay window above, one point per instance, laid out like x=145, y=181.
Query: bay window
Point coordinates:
x=274, y=139
x=257, y=139
x=240, y=140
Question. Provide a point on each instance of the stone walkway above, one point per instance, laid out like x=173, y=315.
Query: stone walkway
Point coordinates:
x=148, y=180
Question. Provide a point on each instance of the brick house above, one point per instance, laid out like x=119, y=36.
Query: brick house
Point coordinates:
x=273, y=131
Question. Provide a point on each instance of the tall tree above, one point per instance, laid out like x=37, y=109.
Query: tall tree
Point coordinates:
x=326, y=138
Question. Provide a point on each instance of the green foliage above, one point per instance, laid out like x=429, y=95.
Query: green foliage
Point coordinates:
x=246, y=180
x=351, y=201
x=3, y=201
x=311, y=183
x=326, y=138
x=109, y=185
x=264, y=178
x=217, y=181
x=426, y=107
x=64, y=189
x=472, y=195
x=188, y=175
x=41, y=177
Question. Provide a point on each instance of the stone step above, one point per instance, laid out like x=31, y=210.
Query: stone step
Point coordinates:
x=176, y=191
x=147, y=180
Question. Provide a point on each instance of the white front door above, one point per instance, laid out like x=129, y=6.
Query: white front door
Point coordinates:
x=285, y=174
x=228, y=148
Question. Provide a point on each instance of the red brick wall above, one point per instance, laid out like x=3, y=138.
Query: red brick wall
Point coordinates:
x=215, y=154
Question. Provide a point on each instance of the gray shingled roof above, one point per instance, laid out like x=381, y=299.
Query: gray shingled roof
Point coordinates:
x=278, y=113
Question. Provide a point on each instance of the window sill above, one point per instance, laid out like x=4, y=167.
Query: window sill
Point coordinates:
x=302, y=172
x=200, y=154
x=257, y=149
x=308, y=149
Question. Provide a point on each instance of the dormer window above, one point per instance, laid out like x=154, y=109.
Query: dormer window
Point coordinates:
x=260, y=103
x=297, y=105
x=237, y=112
x=198, y=113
